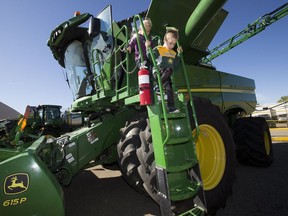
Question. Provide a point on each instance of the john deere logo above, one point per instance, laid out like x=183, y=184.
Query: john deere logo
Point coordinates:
x=16, y=183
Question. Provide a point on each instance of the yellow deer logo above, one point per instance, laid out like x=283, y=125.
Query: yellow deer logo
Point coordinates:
x=16, y=183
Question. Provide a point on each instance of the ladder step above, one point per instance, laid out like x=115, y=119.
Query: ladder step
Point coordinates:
x=174, y=115
x=187, y=191
x=178, y=168
x=178, y=140
x=197, y=211
x=180, y=154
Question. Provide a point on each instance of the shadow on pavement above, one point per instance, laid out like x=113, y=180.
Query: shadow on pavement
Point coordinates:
x=261, y=191
x=89, y=195
x=257, y=192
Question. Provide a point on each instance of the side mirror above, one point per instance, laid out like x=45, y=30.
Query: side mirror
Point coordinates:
x=94, y=27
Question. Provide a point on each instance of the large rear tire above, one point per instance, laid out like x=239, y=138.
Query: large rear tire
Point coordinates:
x=136, y=155
x=215, y=151
x=126, y=148
x=253, y=139
x=216, y=154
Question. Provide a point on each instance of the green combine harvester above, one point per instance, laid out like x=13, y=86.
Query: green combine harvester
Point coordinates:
x=37, y=121
x=184, y=161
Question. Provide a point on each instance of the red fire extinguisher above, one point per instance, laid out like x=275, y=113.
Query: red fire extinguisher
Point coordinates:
x=144, y=87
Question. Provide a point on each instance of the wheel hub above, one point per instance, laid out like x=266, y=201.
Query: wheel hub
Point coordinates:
x=211, y=155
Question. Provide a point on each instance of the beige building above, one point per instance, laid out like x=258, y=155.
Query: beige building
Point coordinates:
x=7, y=112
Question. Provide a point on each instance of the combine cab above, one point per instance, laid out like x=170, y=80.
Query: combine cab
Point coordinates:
x=185, y=161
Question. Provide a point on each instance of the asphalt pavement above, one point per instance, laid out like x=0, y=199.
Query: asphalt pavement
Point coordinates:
x=257, y=191
x=261, y=191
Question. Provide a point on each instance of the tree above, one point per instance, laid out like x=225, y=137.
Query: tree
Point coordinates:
x=283, y=99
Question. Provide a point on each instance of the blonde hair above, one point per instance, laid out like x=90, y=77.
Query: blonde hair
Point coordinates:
x=148, y=20
x=171, y=31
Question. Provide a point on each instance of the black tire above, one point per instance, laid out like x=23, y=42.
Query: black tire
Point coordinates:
x=253, y=140
x=215, y=141
x=126, y=148
x=147, y=169
x=208, y=116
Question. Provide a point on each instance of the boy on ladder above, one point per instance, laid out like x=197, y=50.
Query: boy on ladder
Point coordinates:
x=167, y=60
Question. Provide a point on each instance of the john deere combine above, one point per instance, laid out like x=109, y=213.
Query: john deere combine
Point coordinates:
x=37, y=121
x=185, y=161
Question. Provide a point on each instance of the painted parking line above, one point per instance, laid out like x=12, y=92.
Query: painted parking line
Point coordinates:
x=278, y=129
x=279, y=138
x=279, y=134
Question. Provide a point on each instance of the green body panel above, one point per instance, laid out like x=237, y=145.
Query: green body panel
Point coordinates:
x=88, y=143
x=237, y=92
x=34, y=190
x=8, y=153
x=225, y=90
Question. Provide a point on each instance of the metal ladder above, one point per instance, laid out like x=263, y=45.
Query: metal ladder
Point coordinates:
x=178, y=173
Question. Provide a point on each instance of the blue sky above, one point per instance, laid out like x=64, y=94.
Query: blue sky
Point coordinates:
x=30, y=75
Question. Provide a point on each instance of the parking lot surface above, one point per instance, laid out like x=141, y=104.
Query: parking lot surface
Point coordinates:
x=257, y=192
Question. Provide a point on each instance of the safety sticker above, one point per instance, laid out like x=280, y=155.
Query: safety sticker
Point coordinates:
x=71, y=144
x=69, y=158
x=92, y=137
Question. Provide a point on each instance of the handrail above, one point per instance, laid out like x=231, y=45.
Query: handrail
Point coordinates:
x=126, y=60
x=161, y=86
x=97, y=77
x=190, y=96
x=157, y=73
